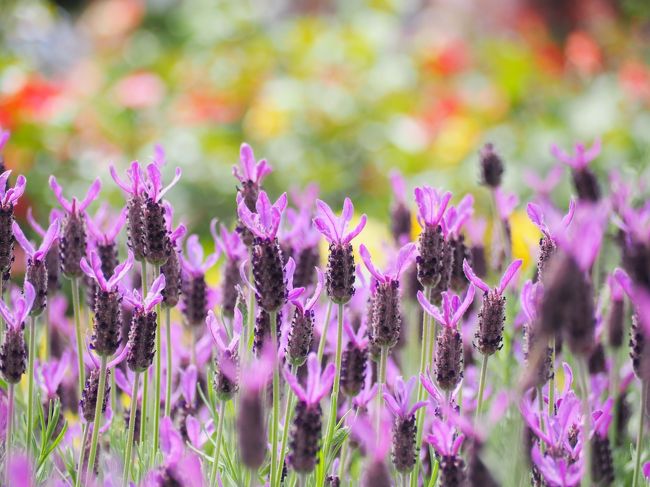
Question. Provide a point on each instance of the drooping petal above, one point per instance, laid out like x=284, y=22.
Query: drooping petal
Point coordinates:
x=188, y=384
x=319, y=288
x=121, y=270
x=33, y=223
x=329, y=222
x=536, y=216
x=48, y=239
x=294, y=383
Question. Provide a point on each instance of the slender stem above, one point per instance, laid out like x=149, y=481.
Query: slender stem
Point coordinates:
x=551, y=383
x=131, y=434
x=323, y=337
x=30, y=383
x=10, y=424
x=381, y=380
x=639, y=434
x=143, y=407
x=420, y=412
x=433, y=333
x=288, y=413
x=82, y=455
x=331, y=420
x=481, y=385
x=276, y=399
x=77, y=329
x=46, y=334
x=344, y=448
x=168, y=347
x=143, y=271
x=217, y=447
x=156, y=403
x=98, y=415
x=586, y=416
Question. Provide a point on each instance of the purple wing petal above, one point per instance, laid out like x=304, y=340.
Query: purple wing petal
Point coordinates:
x=357, y=230
x=91, y=195
x=33, y=223
x=365, y=257
x=478, y=282
x=346, y=215
x=469, y=297
x=247, y=160
x=58, y=194
x=537, y=217
x=50, y=236
x=121, y=270
x=22, y=240
x=508, y=275
x=330, y=220
x=295, y=385
x=430, y=308
x=319, y=288
x=177, y=176
x=123, y=186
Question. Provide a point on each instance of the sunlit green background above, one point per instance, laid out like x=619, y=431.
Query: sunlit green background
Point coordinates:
x=336, y=92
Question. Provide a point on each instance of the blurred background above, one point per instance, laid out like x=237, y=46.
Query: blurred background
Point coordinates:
x=332, y=92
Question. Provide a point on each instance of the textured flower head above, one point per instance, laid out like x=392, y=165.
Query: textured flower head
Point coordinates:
x=21, y=305
x=399, y=401
x=503, y=283
x=55, y=214
x=48, y=239
x=304, y=304
x=154, y=188
x=318, y=384
x=52, y=373
x=639, y=296
x=94, y=271
x=194, y=262
x=104, y=227
x=147, y=303
x=249, y=169
x=404, y=256
x=444, y=438
x=10, y=196
x=136, y=177
x=452, y=307
x=583, y=238
x=557, y=470
x=265, y=223
x=75, y=207
x=536, y=215
x=431, y=205
x=333, y=228
x=582, y=156
x=227, y=243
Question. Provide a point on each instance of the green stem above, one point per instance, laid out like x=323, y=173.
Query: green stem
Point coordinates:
x=77, y=330
x=276, y=399
x=381, y=380
x=46, y=334
x=639, y=434
x=481, y=385
x=288, y=413
x=331, y=421
x=10, y=424
x=131, y=434
x=217, y=447
x=82, y=455
x=30, y=383
x=420, y=413
x=551, y=383
x=168, y=391
x=156, y=403
x=143, y=407
x=98, y=415
x=344, y=448
x=323, y=337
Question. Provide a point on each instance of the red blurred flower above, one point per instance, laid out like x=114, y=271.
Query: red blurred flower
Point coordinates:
x=634, y=77
x=449, y=59
x=583, y=53
x=31, y=100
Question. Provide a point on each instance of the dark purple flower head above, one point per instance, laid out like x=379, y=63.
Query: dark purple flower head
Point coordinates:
x=452, y=307
x=228, y=243
x=9, y=197
x=444, y=438
x=582, y=156
x=399, y=401
x=431, y=205
x=75, y=207
x=136, y=177
x=194, y=262
x=94, y=271
x=505, y=279
x=319, y=383
x=333, y=228
x=52, y=373
x=20, y=307
x=146, y=304
x=305, y=305
x=37, y=254
x=104, y=227
x=154, y=188
x=265, y=223
x=249, y=169
x=404, y=257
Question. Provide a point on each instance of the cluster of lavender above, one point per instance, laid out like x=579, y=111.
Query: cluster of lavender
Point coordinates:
x=230, y=388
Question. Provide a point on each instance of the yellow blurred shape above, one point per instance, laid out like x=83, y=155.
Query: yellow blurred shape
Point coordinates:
x=525, y=236
x=457, y=138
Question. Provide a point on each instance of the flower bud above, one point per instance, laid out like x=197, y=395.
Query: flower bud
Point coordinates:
x=135, y=227
x=108, y=322
x=158, y=246
x=269, y=275
x=251, y=429
x=491, y=319
x=491, y=167
x=13, y=355
x=448, y=358
x=72, y=245
x=300, y=336
x=142, y=338
x=89, y=395
x=403, y=448
x=340, y=277
x=304, y=442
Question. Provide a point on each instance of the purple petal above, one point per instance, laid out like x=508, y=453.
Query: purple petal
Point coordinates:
x=22, y=240
x=469, y=297
x=365, y=257
x=154, y=179
x=4, y=137
x=188, y=384
x=319, y=288
x=430, y=308
x=326, y=381
x=58, y=194
x=399, y=185
x=357, y=230
x=50, y=236
x=404, y=258
x=91, y=195
x=123, y=186
x=646, y=470
x=34, y=224
x=508, y=275
x=121, y=270
x=177, y=176
x=537, y=217
x=568, y=218
x=247, y=161
x=295, y=385
x=478, y=282
x=562, y=156
x=322, y=227
x=346, y=215
x=329, y=216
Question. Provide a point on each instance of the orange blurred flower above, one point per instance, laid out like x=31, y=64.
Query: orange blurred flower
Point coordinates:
x=634, y=77
x=583, y=53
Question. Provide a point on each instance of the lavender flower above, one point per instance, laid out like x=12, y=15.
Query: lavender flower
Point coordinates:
x=491, y=166
x=234, y=251
x=13, y=352
x=304, y=441
x=8, y=199
x=615, y=320
x=584, y=179
x=602, y=464
x=52, y=259
x=377, y=444
x=454, y=219
x=354, y=360
x=172, y=268
x=404, y=449
x=135, y=208
x=537, y=353
x=4, y=137
x=449, y=349
x=179, y=467
x=226, y=380
x=446, y=442
x=72, y=241
x=340, y=261
x=195, y=292
x=386, y=319
x=108, y=312
x=270, y=280
x=489, y=335
x=302, y=325
x=36, y=273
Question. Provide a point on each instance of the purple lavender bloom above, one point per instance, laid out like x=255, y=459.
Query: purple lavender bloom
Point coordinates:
x=377, y=444
x=19, y=467
x=230, y=245
x=250, y=174
x=386, y=317
x=489, y=334
x=301, y=241
x=195, y=291
x=557, y=470
x=305, y=437
x=36, y=268
x=537, y=353
x=447, y=442
x=4, y=137
x=354, y=360
x=51, y=375
x=13, y=352
x=8, y=199
x=404, y=427
x=226, y=381
x=72, y=241
x=340, y=262
x=135, y=210
x=615, y=320
x=301, y=331
x=172, y=268
x=52, y=260
x=368, y=393
x=179, y=467
x=584, y=180
x=449, y=349
x=547, y=244
x=602, y=465
x=636, y=246
x=544, y=186
x=265, y=222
